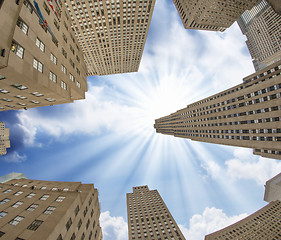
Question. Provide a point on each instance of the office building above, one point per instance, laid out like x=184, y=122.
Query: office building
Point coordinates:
x=112, y=34
x=263, y=224
x=273, y=189
x=149, y=217
x=4, y=138
x=211, y=15
x=41, y=63
x=262, y=27
x=33, y=209
x=275, y=4
x=246, y=115
x=11, y=176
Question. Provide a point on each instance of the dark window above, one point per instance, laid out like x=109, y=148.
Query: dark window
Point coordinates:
x=73, y=236
x=46, y=8
x=88, y=223
x=68, y=224
x=76, y=210
x=59, y=237
x=36, y=224
x=79, y=224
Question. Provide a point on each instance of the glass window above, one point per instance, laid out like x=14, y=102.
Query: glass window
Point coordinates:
x=32, y=207
x=17, y=49
x=40, y=44
x=38, y=65
x=49, y=210
x=30, y=195
x=3, y=214
x=45, y=197
x=34, y=225
x=16, y=220
x=22, y=25
x=17, y=204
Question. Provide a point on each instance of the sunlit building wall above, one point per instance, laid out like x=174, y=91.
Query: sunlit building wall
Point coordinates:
x=149, y=217
x=211, y=15
x=4, y=138
x=246, y=115
x=33, y=209
x=41, y=63
x=262, y=27
x=112, y=34
x=263, y=224
x=273, y=189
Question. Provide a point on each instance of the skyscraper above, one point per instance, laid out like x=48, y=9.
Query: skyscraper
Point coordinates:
x=246, y=115
x=33, y=209
x=263, y=224
x=11, y=176
x=112, y=34
x=4, y=138
x=262, y=27
x=41, y=63
x=149, y=217
x=211, y=15
x=273, y=189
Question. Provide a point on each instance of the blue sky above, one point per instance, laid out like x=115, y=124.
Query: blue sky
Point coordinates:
x=109, y=140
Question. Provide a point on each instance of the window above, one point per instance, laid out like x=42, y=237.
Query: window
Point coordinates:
x=38, y=65
x=56, y=24
x=60, y=198
x=40, y=44
x=73, y=236
x=32, y=207
x=68, y=224
x=17, y=204
x=46, y=8
x=35, y=102
x=53, y=58
x=53, y=77
x=64, y=37
x=50, y=99
x=17, y=49
x=45, y=197
x=30, y=195
x=22, y=25
x=64, y=53
x=8, y=190
x=59, y=237
x=36, y=224
x=78, y=71
x=88, y=223
x=28, y=5
x=71, y=77
x=76, y=210
x=16, y=220
x=19, y=86
x=65, y=189
x=5, y=200
x=85, y=211
x=49, y=210
x=92, y=212
x=18, y=193
x=79, y=224
x=3, y=214
x=54, y=189
x=83, y=236
x=39, y=96
x=63, y=69
x=63, y=86
x=1, y=234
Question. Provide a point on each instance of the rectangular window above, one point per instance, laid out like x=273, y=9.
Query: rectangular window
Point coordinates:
x=76, y=210
x=73, y=236
x=64, y=37
x=32, y=207
x=56, y=24
x=45, y=197
x=16, y=220
x=36, y=224
x=38, y=65
x=71, y=77
x=30, y=195
x=3, y=214
x=17, y=49
x=53, y=77
x=5, y=200
x=79, y=224
x=46, y=8
x=60, y=198
x=8, y=190
x=22, y=25
x=63, y=85
x=49, y=210
x=28, y=5
x=68, y=224
x=53, y=58
x=40, y=44
x=64, y=53
x=63, y=69
x=54, y=189
x=17, y=204
x=18, y=193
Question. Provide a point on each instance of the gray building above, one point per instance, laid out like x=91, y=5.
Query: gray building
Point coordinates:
x=273, y=189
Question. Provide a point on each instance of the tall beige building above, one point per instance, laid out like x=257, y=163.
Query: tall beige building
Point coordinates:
x=273, y=189
x=4, y=138
x=263, y=224
x=33, y=209
x=149, y=217
x=112, y=34
x=246, y=115
x=41, y=62
x=262, y=27
x=211, y=15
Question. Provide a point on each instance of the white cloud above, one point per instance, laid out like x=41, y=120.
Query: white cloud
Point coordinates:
x=14, y=157
x=211, y=220
x=113, y=228
x=245, y=165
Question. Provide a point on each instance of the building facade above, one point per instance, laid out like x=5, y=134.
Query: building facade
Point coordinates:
x=149, y=217
x=33, y=209
x=41, y=63
x=273, y=189
x=263, y=224
x=246, y=115
x=112, y=34
x=4, y=138
x=262, y=27
x=211, y=15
